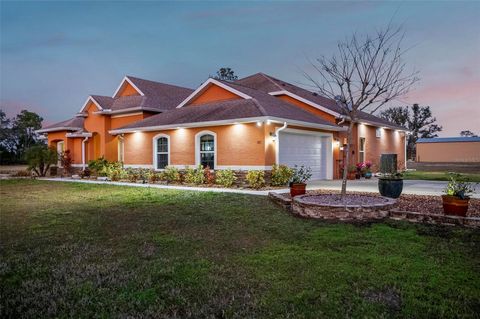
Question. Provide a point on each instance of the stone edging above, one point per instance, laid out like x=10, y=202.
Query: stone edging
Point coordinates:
x=391, y=213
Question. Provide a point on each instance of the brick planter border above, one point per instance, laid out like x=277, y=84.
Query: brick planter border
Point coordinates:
x=393, y=213
x=305, y=208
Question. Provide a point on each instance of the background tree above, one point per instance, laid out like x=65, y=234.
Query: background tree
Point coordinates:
x=468, y=133
x=17, y=135
x=417, y=119
x=226, y=74
x=364, y=74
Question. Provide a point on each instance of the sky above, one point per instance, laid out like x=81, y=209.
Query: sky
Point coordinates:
x=53, y=55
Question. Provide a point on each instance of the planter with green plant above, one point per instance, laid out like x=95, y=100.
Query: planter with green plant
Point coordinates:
x=457, y=195
x=299, y=179
x=368, y=169
x=390, y=182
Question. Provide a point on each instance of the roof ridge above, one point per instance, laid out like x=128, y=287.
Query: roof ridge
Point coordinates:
x=157, y=82
x=272, y=81
x=259, y=106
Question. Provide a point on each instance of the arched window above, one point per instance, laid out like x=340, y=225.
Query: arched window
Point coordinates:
x=206, y=149
x=161, y=146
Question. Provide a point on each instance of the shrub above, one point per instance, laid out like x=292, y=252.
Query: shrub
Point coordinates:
x=40, y=158
x=66, y=161
x=143, y=175
x=281, y=174
x=114, y=171
x=226, y=177
x=132, y=175
x=171, y=174
x=209, y=176
x=97, y=166
x=256, y=179
x=153, y=176
x=194, y=175
x=85, y=173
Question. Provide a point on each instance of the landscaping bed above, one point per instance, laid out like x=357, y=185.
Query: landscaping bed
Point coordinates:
x=412, y=203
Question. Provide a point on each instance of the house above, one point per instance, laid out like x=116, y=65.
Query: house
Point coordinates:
x=249, y=124
x=448, y=150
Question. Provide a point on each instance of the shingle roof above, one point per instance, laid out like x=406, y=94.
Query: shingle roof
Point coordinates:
x=260, y=105
x=73, y=124
x=448, y=139
x=157, y=97
x=104, y=101
x=267, y=83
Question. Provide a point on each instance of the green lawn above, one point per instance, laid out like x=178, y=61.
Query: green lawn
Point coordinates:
x=438, y=176
x=78, y=250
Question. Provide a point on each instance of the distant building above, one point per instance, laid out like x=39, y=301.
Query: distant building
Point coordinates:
x=448, y=150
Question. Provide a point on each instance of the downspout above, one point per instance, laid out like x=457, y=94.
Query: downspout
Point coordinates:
x=120, y=156
x=405, y=142
x=83, y=151
x=277, y=142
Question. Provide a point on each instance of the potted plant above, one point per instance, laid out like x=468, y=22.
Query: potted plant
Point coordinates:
x=457, y=195
x=390, y=182
x=298, y=181
x=359, y=168
x=368, y=169
x=352, y=170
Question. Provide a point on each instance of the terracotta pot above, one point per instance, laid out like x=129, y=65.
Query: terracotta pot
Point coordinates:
x=297, y=189
x=453, y=205
x=351, y=175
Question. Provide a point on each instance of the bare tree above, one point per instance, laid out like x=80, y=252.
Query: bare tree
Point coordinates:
x=365, y=73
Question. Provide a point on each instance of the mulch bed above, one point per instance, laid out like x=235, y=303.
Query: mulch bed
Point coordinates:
x=416, y=203
x=350, y=199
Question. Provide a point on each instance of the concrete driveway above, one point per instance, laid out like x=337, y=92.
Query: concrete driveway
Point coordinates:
x=417, y=187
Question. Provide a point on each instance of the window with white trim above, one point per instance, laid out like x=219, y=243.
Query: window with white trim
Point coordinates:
x=378, y=132
x=361, y=150
x=207, y=151
x=161, y=152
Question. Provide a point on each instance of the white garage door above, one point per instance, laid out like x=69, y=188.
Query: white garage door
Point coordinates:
x=313, y=151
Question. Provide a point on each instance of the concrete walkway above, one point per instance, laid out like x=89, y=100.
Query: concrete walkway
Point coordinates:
x=415, y=187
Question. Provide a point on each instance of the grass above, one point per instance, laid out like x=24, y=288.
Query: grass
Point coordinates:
x=439, y=176
x=78, y=250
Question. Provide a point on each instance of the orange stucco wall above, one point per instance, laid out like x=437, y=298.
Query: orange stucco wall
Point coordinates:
x=74, y=145
x=449, y=152
x=214, y=93
x=117, y=122
x=391, y=141
x=101, y=143
x=307, y=107
x=127, y=90
x=241, y=144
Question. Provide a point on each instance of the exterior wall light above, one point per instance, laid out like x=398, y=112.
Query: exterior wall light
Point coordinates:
x=274, y=136
x=268, y=122
x=259, y=123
